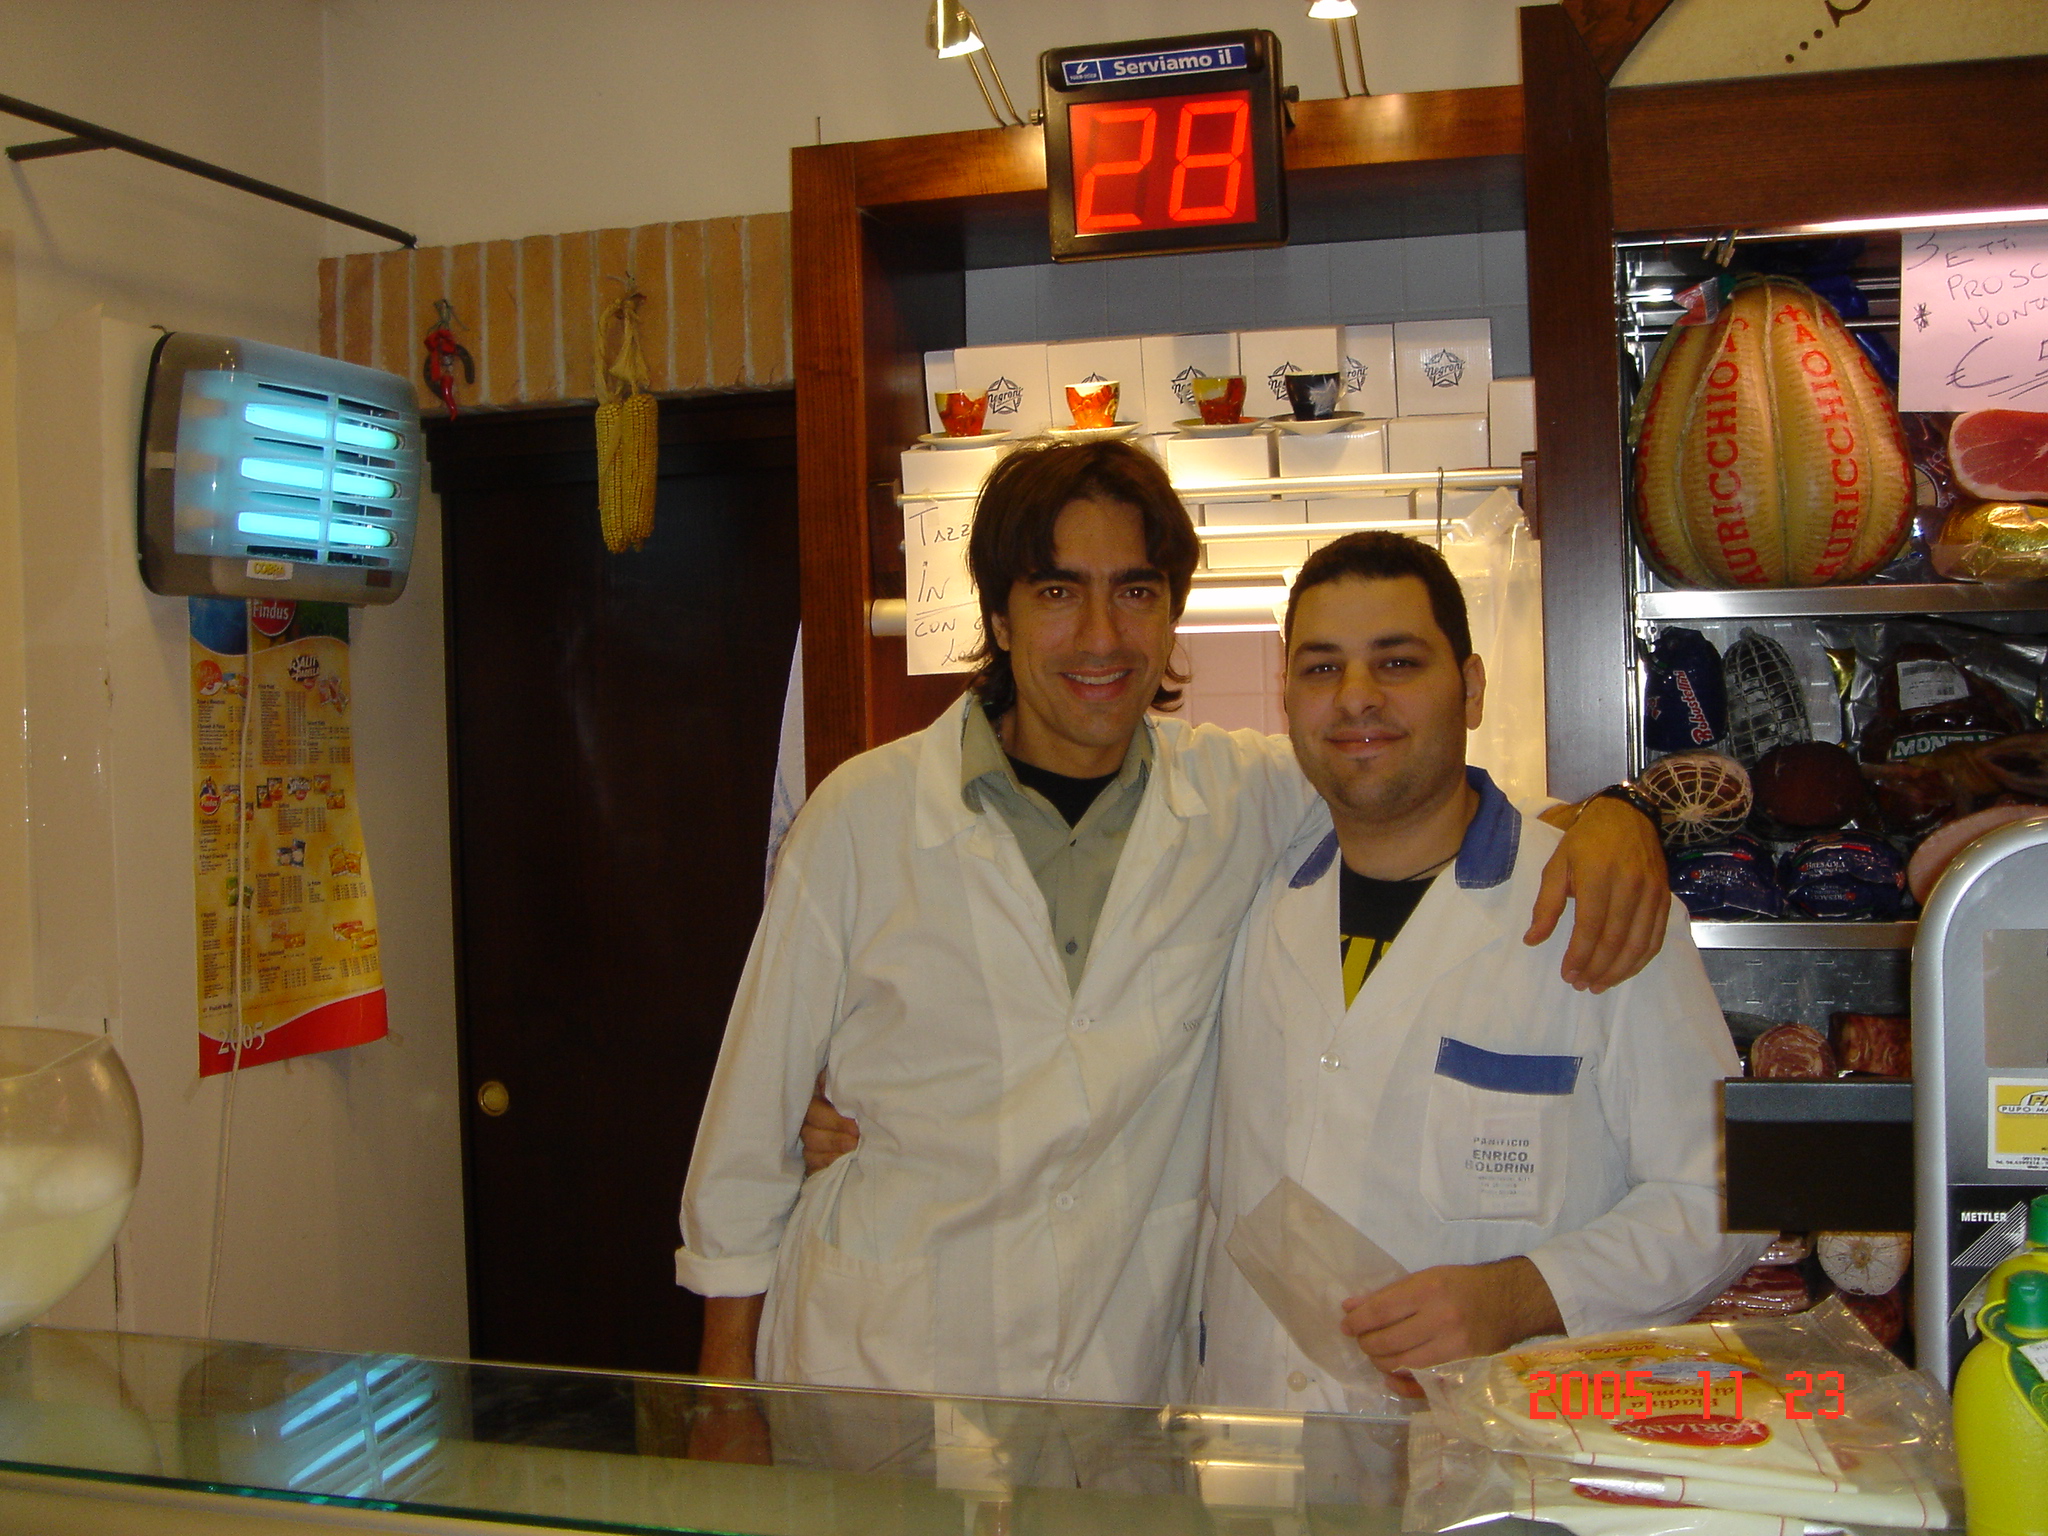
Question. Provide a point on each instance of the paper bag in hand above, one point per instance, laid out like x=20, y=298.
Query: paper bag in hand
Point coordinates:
x=1305, y=1261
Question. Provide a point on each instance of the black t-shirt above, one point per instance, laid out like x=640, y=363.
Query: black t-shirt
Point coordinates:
x=1069, y=796
x=1370, y=916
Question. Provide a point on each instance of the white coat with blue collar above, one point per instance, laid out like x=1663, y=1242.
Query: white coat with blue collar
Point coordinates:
x=1467, y=1106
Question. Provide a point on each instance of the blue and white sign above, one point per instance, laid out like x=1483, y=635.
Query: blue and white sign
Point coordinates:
x=1213, y=58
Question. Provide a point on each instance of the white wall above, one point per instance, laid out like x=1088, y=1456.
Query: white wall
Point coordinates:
x=345, y=1224
x=484, y=119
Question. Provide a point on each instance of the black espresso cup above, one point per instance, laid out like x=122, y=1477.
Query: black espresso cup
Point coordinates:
x=1313, y=395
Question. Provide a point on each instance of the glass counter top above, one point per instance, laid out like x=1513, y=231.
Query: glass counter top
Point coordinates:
x=583, y=1450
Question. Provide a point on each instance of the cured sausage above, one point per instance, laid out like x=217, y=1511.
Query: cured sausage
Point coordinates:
x=1792, y=1051
x=1878, y=1043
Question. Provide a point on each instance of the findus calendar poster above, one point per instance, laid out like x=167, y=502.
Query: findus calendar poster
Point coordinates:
x=285, y=916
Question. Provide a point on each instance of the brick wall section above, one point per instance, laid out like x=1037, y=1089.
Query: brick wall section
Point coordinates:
x=716, y=316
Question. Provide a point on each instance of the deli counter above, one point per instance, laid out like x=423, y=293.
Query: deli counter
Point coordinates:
x=115, y=1433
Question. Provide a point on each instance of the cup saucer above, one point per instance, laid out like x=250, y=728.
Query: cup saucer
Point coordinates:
x=1092, y=434
x=1196, y=427
x=979, y=440
x=1342, y=421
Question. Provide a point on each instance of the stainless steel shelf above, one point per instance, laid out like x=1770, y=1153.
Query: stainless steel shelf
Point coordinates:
x=1833, y=602
x=1767, y=934
x=1295, y=485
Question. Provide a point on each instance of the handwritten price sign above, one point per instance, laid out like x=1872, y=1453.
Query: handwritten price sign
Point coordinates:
x=1973, y=319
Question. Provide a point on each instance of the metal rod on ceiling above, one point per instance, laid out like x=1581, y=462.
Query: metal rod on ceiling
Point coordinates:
x=86, y=136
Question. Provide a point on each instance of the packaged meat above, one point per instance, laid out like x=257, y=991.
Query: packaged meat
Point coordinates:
x=1809, y=786
x=1865, y=1263
x=1940, y=847
x=1733, y=881
x=1792, y=1051
x=1884, y=1316
x=1762, y=1290
x=1878, y=1043
x=1702, y=796
x=1685, y=706
x=1959, y=780
x=1766, y=698
x=1844, y=875
x=1805, y=1415
x=1992, y=541
x=1928, y=699
x=1787, y=1248
x=2000, y=454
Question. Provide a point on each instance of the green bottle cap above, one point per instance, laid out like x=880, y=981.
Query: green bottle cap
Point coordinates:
x=2037, y=1222
x=2026, y=1302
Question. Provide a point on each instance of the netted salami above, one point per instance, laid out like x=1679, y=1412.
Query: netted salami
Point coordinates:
x=1792, y=1051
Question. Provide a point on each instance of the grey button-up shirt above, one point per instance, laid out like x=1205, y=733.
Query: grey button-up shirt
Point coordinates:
x=1072, y=865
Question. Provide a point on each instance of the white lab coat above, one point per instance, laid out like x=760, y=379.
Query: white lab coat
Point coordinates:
x=1610, y=1187
x=1020, y=1217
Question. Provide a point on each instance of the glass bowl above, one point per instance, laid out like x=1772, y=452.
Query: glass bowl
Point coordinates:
x=70, y=1153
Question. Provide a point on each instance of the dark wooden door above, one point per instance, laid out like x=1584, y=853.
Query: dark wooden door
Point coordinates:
x=613, y=724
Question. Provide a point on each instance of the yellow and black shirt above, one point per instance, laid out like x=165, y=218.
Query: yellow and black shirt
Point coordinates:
x=1370, y=915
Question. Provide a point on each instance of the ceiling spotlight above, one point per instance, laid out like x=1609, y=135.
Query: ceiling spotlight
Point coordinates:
x=949, y=30
x=1332, y=10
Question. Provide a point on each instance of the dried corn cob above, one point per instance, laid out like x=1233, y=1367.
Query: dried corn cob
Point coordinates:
x=628, y=442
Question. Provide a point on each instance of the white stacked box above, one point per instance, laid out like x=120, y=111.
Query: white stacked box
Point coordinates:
x=1193, y=462
x=1266, y=357
x=939, y=471
x=1357, y=509
x=1511, y=421
x=1419, y=444
x=1014, y=377
x=1360, y=451
x=1242, y=554
x=1442, y=367
x=1368, y=368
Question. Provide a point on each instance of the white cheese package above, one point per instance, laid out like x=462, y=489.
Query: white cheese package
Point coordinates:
x=1305, y=1261
x=1453, y=1483
x=1805, y=1416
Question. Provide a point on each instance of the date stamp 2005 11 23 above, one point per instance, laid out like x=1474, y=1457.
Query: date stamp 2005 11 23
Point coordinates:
x=1618, y=1394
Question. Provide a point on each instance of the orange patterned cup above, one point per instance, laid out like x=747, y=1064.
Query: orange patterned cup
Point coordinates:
x=1093, y=402
x=1221, y=401
x=960, y=413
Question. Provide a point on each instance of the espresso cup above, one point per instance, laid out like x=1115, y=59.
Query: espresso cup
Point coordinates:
x=1313, y=395
x=1220, y=401
x=1093, y=402
x=960, y=413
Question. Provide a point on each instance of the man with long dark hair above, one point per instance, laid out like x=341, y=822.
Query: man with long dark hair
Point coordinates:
x=1002, y=942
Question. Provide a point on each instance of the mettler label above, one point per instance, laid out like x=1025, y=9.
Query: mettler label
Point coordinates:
x=1213, y=59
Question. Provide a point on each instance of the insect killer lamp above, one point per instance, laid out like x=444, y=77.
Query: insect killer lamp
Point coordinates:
x=267, y=472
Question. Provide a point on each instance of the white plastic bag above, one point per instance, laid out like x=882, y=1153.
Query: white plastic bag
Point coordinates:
x=1305, y=1261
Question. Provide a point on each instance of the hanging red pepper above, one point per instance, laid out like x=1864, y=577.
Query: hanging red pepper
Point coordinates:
x=442, y=352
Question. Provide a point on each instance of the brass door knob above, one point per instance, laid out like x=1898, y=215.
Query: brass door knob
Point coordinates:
x=493, y=1098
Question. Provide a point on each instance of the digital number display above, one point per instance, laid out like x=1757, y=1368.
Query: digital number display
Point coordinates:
x=1165, y=144
x=1164, y=163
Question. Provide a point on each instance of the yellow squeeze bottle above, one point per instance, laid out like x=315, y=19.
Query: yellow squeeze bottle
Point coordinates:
x=2033, y=1254
x=2002, y=1414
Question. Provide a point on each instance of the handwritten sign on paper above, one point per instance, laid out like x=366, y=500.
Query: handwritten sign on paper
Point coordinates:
x=943, y=615
x=1973, y=318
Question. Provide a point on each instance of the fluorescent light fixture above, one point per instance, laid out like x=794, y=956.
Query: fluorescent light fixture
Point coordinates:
x=306, y=477
x=278, y=474
x=270, y=525
x=949, y=31
x=1976, y=218
x=375, y=487
x=1332, y=10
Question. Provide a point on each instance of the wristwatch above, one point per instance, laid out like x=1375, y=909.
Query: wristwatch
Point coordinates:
x=1628, y=792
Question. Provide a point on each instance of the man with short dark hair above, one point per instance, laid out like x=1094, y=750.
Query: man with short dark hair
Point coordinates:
x=1002, y=941
x=1540, y=1159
